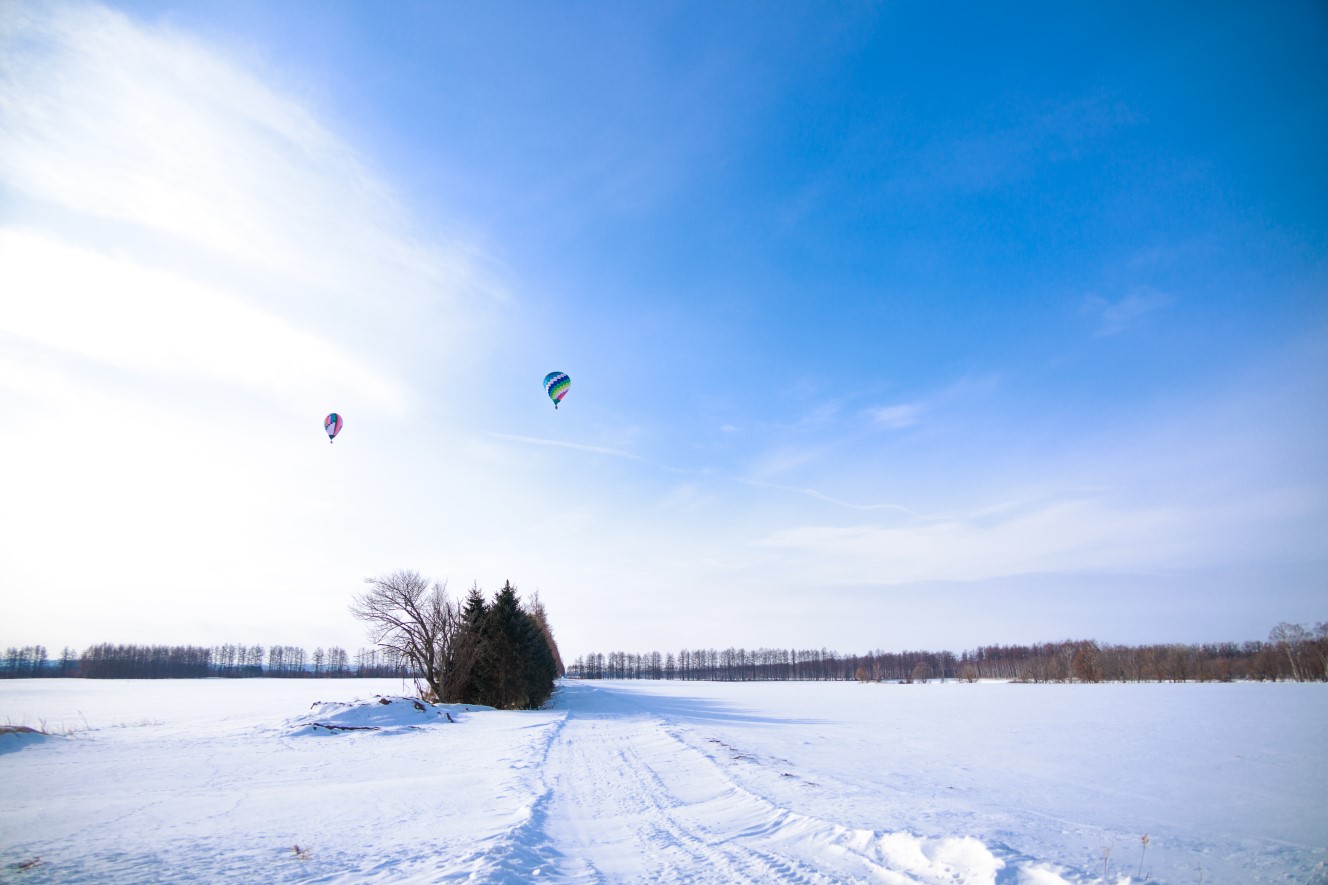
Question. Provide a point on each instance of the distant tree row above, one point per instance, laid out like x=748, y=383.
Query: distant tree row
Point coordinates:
x=110, y=661
x=32, y=660
x=499, y=654
x=1292, y=652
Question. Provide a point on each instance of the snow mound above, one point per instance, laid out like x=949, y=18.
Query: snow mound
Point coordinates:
x=382, y=714
x=16, y=737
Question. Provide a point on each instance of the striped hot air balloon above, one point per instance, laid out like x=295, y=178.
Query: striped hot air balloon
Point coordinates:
x=555, y=385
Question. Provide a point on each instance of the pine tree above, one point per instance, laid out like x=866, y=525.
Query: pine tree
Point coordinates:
x=465, y=680
x=505, y=641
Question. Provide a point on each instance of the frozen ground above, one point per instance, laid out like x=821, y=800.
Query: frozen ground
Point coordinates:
x=284, y=781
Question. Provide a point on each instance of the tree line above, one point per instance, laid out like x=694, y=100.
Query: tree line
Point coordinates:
x=499, y=654
x=119, y=661
x=493, y=656
x=1292, y=652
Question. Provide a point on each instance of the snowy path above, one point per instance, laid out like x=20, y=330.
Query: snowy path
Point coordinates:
x=628, y=796
x=633, y=801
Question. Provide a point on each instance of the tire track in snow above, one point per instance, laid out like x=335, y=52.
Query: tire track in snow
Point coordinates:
x=613, y=812
x=630, y=801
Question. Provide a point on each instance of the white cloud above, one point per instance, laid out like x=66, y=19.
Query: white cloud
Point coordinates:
x=1064, y=536
x=967, y=388
x=1114, y=317
x=820, y=496
x=562, y=444
x=779, y=461
x=151, y=143
x=113, y=311
x=898, y=416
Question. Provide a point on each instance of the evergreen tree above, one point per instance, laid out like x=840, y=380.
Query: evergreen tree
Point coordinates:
x=505, y=639
x=465, y=677
x=515, y=667
x=540, y=662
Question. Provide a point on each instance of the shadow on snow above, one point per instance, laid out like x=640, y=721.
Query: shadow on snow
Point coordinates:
x=601, y=700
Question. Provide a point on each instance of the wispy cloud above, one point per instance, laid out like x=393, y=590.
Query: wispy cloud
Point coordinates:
x=205, y=191
x=119, y=313
x=821, y=496
x=898, y=416
x=143, y=125
x=1232, y=480
x=781, y=459
x=1067, y=536
x=1113, y=317
x=563, y=444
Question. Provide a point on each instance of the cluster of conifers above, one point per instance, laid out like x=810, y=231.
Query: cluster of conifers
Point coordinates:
x=498, y=654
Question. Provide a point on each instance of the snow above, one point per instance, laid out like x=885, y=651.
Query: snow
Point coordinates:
x=244, y=780
x=390, y=714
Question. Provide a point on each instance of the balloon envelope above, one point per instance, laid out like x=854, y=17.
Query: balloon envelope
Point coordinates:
x=332, y=424
x=555, y=385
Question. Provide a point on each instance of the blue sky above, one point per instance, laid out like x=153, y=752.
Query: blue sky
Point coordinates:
x=888, y=327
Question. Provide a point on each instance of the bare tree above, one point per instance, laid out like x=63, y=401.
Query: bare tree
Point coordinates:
x=1319, y=649
x=414, y=619
x=535, y=608
x=1292, y=640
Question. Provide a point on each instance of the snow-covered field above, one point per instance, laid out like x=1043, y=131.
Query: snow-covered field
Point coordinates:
x=221, y=780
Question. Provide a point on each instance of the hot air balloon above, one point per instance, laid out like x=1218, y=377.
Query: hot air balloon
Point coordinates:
x=332, y=424
x=555, y=385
